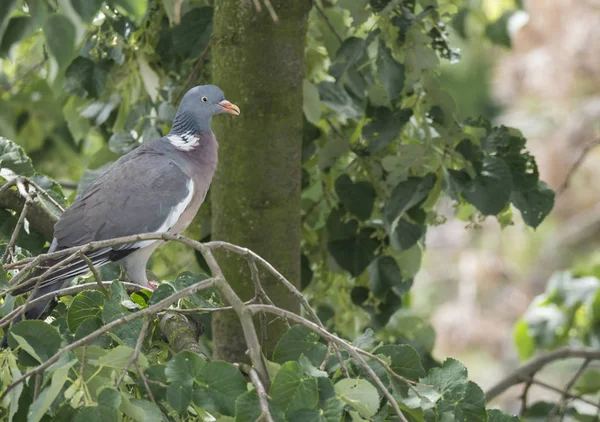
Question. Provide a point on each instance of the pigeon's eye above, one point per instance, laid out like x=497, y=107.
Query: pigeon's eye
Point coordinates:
x=204, y=99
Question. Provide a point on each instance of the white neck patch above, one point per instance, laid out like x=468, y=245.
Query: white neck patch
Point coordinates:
x=185, y=142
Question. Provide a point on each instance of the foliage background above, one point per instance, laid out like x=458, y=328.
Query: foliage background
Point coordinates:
x=132, y=81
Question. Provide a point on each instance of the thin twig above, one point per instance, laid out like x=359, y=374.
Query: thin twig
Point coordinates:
x=83, y=353
x=560, y=391
x=136, y=352
x=523, y=411
x=36, y=388
x=263, y=397
x=584, y=152
x=559, y=405
x=46, y=195
x=354, y=352
x=528, y=369
x=20, y=222
x=144, y=380
x=269, y=7
x=95, y=273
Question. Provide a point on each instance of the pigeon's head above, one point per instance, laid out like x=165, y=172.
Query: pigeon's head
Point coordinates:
x=198, y=106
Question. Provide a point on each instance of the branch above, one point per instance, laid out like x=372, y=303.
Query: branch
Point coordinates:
x=180, y=334
x=40, y=219
x=568, y=386
x=263, y=397
x=530, y=368
x=584, y=152
x=20, y=222
x=354, y=352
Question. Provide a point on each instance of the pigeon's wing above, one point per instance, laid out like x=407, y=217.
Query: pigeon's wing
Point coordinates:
x=146, y=192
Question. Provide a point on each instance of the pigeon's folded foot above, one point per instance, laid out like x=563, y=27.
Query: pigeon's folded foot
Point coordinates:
x=152, y=286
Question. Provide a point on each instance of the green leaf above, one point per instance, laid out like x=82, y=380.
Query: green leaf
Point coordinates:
x=348, y=55
x=491, y=188
x=450, y=374
x=6, y=8
x=466, y=401
x=404, y=234
x=163, y=291
x=60, y=39
x=39, y=407
x=523, y=340
x=354, y=254
x=405, y=360
x=535, y=204
x=86, y=77
x=86, y=305
x=360, y=394
x=134, y=9
x=140, y=410
x=40, y=340
x=406, y=195
x=119, y=357
x=384, y=275
x=589, y=382
x=497, y=31
x=357, y=197
x=391, y=73
x=113, y=310
x=337, y=98
x=179, y=394
x=495, y=415
x=292, y=389
x=184, y=366
x=87, y=9
x=222, y=383
x=297, y=341
x=191, y=36
x=14, y=158
x=311, y=104
x=122, y=142
x=357, y=8
x=385, y=126
x=247, y=409
x=107, y=409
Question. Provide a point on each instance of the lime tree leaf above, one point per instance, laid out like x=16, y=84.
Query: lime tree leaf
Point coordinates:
x=404, y=234
x=349, y=53
x=140, y=410
x=297, y=341
x=384, y=127
x=490, y=190
x=354, y=254
x=534, y=204
x=308, y=415
x=495, y=415
x=39, y=407
x=497, y=31
x=247, y=409
x=163, y=291
x=60, y=38
x=358, y=198
x=134, y=9
x=6, y=8
x=292, y=389
x=405, y=360
x=14, y=158
x=119, y=357
x=86, y=305
x=406, y=195
x=179, y=394
x=523, y=340
x=122, y=142
x=87, y=9
x=184, y=366
x=384, y=275
x=209, y=298
x=337, y=98
x=450, y=374
x=391, y=73
x=360, y=394
x=358, y=10
x=113, y=310
x=156, y=373
x=466, y=401
x=311, y=104
x=107, y=409
x=589, y=382
x=191, y=36
x=221, y=384
x=38, y=339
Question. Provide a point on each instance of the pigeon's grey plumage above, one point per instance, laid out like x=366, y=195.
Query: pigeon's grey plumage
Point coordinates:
x=157, y=187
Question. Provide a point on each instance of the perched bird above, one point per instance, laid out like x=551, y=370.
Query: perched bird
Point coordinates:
x=157, y=187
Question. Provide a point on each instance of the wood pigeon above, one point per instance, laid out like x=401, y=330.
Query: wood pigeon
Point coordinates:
x=157, y=187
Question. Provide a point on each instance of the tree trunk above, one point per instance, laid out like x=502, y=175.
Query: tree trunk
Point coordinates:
x=255, y=196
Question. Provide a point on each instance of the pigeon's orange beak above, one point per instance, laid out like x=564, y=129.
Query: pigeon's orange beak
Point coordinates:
x=229, y=107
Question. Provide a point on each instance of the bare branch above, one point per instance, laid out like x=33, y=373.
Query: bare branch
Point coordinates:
x=263, y=397
x=144, y=380
x=94, y=271
x=20, y=222
x=180, y=333
x=584, y=152
x=567, y=389
x=561, y=391
x=530, y=368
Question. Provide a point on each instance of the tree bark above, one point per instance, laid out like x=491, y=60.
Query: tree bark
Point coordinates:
x=255, y=196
